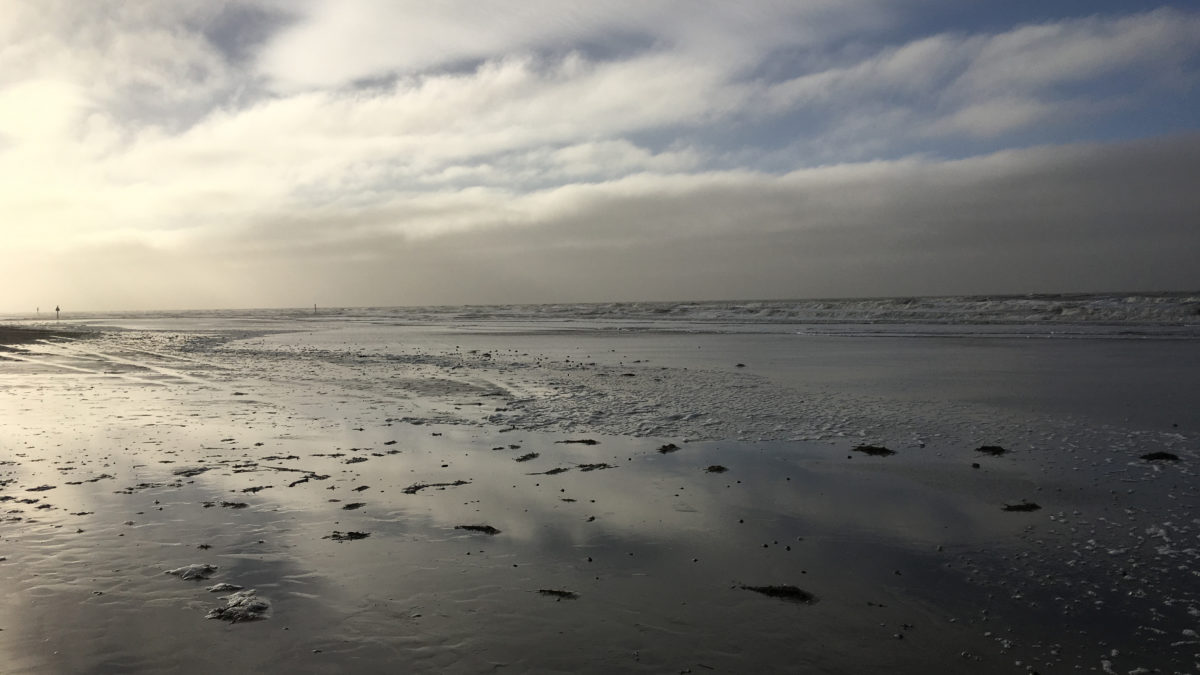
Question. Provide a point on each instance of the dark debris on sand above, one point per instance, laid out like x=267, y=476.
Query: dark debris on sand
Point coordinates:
x=993, y=450
x=417, y=487
x=526, y=457
x=1160, y=457
x=558, y=594
x=874, y=450
x=1023, y=507
x=347, y=536
x=96, y=479
x=669, y=447
x=785, y=592
x=145, y=486
x=595, y=467
x=716, y=468
x=580, y=441
x=484, y=529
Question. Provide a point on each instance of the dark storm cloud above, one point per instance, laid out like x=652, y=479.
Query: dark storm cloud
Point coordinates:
x=1067, y=218
x=239, y=30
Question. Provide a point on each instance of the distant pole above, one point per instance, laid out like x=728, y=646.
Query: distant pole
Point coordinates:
x=314, y=308
x=56, y=310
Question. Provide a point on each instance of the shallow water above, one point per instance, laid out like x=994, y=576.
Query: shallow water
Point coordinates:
x=915, y=565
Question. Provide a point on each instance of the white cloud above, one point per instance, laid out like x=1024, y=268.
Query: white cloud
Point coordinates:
x=40, y=111
x=996, y=116
x=1046, y=55
x=985, y=85
x=341, y=41
x=125, y=126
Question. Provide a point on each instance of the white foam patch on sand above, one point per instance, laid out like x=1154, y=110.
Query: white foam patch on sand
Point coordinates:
x=194, y=571
x=241, y=606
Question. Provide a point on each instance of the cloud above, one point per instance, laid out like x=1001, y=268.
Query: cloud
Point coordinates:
x=547, y=148
x=1044, y=56
x=985, y=85
x=996, y=116
x=343, y=41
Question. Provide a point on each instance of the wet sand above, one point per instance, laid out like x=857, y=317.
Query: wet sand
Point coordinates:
x=366, y=491
x=18, y=335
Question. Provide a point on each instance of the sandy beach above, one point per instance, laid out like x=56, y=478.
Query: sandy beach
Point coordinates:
x=525, y=496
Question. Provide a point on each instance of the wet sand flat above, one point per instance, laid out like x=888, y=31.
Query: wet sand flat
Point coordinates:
x=368, y=498
x=17, y=335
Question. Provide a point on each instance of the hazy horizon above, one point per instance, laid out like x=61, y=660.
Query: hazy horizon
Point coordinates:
x=75, y=312
x=266, y=154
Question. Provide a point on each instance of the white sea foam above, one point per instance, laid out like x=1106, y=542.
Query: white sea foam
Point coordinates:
x=194, y=571
x=241, y=606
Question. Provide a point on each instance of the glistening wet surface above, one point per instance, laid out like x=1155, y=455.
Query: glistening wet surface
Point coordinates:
x=385, y=524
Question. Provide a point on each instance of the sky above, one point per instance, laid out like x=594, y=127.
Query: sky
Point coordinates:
x=270, y=153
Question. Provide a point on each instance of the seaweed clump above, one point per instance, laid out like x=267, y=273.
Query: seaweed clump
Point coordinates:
x=1160, y=456
x=347, y=536
x=485, y=529
x=874, y=450
x=595, y=467
x=784, y=592
x=417, y=487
